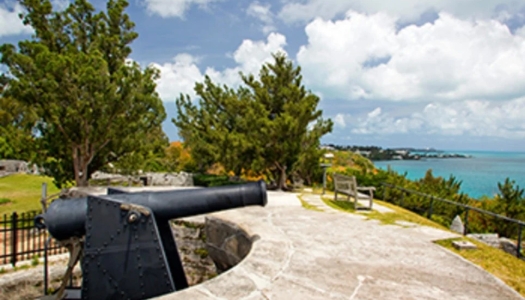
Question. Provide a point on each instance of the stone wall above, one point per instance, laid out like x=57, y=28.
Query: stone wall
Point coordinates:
x=226, y=242
x=206, y=249
x=148, y=179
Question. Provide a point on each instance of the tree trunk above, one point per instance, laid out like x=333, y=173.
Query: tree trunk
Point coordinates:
x=281, y=183
x=80, y=165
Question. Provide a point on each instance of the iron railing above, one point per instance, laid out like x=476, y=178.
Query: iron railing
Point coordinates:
x=20, y=240
x=464, y=207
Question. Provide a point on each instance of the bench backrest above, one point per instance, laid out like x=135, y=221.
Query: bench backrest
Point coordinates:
x=347, y=184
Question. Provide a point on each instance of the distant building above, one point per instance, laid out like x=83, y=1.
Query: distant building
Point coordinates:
x=363, y=153
x=329, y=148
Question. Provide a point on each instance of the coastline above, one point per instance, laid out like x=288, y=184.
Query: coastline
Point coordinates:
x=479, y=174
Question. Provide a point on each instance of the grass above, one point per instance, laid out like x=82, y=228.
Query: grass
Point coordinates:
x=501, y=264
x=308, y=205
x=4, y=201
x=24, y=191
x=399, y=214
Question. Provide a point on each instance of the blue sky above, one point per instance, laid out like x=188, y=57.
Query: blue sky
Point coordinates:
x=446, y=74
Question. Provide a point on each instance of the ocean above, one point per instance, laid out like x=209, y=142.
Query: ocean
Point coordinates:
x=479, y=174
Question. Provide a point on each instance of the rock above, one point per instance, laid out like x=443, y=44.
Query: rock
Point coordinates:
x=491, y=239
x=198, y=265
x=463, y=245
x=457, y=225
x=508, y=246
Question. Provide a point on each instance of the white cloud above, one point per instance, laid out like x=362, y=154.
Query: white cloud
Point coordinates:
x=173, y=8
x=339, y=120
x=407, y=10
x=264, y=14
x=10, y=23
x=181, y=75
x=364, y=56
x=471, y=117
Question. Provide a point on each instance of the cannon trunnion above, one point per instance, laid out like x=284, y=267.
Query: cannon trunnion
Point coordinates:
x=127, y=246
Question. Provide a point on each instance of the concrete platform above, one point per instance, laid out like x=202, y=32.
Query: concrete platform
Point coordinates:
x=305, y=254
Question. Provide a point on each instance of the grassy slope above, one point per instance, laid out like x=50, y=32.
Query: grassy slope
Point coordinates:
x=502, y=265
x=24, y=191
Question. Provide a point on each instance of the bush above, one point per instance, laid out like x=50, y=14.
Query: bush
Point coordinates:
x=5, y=201
x=206, y=180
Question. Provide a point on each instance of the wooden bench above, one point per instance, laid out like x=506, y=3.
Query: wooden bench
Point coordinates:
x=347, y=185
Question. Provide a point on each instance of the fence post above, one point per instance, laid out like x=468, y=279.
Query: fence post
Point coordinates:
x=402, y=198
x=14, y=237
x=518, y=250
x=44, y=197
x=429, y=214
x=465, y=227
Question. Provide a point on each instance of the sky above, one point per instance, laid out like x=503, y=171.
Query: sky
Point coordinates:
x=447, y=74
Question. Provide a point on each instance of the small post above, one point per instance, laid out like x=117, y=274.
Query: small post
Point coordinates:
x=402, y=198
x=518, y=250
x=324, y=180
x=429, y=215
x=44, y=197
x=14, y=237
x=465, y=228
x=45, y=266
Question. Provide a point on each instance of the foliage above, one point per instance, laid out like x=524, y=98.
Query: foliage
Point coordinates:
x=93, y=105
x=207, y=180
x=178, y=158
x=269, y=126
x=25, y=191
x=5, y=201
x=16, y=123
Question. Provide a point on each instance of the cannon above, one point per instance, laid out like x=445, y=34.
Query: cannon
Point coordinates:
x=124, y=240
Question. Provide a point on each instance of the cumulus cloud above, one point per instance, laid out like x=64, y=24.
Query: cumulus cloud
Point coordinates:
x=339, y=120
x=470, y=117
x=10, y=23
x=263, y=13
x=407, y=10
x=173, y=8
x=366, y=57
x=181, y=75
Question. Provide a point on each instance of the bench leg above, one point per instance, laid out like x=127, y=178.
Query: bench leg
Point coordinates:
x=335, y=197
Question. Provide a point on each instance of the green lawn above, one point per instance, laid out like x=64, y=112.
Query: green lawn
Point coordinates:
x=24, y=192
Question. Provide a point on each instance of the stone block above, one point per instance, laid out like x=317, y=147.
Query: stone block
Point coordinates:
x=491, y=239
x=457, y=225
x=463, y=245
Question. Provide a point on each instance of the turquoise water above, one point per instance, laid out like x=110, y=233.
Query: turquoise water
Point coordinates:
x=479, y=175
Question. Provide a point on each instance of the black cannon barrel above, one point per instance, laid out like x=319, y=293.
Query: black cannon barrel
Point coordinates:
x=67, y=217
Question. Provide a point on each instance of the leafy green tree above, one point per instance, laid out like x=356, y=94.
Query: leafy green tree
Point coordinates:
x=271, y=124
x=510, y=203
x=294, y=125
x=221, y=128
x=16, y=123
x=91, y=102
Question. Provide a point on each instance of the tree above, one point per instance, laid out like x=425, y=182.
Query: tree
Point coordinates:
x=271, y=124
x=294, y=124
x=93, y=105
x=16, y=123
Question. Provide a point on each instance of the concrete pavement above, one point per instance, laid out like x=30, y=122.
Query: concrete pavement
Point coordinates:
x=305, y=254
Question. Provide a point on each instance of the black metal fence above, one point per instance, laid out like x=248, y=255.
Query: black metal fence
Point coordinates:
x=468, y=213
x=20, y=240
